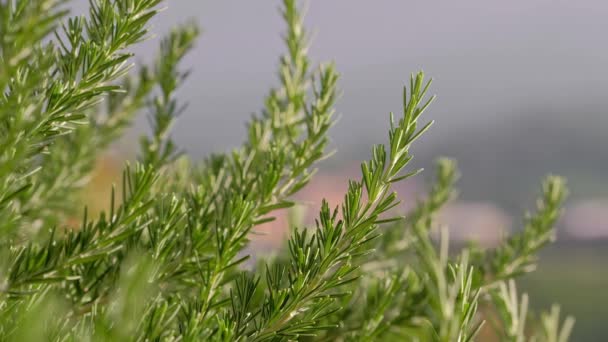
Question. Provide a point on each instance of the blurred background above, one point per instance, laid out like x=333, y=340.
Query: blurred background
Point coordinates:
x=521, y=88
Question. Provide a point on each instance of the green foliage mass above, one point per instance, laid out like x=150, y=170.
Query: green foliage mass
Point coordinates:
x=166, y=260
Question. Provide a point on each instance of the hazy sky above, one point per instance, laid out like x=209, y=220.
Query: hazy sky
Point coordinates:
x=491, y=60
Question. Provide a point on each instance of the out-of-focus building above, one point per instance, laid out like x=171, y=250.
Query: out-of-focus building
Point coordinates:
x=587, y=219
x=330, y=186
x=482, y=222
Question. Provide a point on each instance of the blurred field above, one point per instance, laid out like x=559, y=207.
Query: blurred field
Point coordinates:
x=575, y=275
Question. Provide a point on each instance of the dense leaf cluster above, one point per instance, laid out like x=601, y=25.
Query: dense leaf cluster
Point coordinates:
x=166, y=261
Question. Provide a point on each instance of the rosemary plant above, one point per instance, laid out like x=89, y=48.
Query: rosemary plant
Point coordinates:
x=165, y=261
